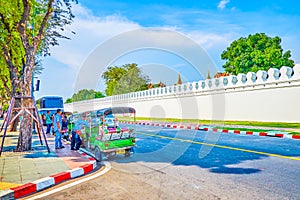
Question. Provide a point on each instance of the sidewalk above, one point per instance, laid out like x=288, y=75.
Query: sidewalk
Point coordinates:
x=18, y=168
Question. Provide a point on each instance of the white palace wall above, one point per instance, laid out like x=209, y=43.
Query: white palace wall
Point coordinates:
x=271, y=96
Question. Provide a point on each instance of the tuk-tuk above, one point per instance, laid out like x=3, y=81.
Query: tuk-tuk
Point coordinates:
x=105, y=136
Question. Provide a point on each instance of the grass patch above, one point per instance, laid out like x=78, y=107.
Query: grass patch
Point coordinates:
x=197, y=121
x=294, y=133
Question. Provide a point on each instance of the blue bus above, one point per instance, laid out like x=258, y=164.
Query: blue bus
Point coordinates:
x=51, y=103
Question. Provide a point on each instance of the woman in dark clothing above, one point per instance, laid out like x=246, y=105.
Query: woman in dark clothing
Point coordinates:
x=65, y=127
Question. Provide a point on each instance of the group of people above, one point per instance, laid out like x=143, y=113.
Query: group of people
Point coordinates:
x=48, y=120
x=60, y=129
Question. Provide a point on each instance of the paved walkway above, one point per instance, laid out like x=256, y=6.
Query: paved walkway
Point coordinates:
x=17, y=168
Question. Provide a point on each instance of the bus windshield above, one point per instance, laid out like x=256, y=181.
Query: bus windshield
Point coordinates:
x=52, y=102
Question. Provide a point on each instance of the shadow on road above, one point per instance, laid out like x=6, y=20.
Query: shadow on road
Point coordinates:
x=166, y=152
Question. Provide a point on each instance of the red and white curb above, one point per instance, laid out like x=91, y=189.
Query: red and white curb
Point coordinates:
x=194, y=127
x=38, y=185
x=75, y=183
x=208, y=128
x=239, y=132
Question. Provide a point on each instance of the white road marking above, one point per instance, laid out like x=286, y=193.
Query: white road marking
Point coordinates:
x=107, y=168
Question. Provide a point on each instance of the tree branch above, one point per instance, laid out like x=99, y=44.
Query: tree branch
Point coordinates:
x=13, y=70
x=5, y=50
x=5, y=24
x=37, y=39
x=7, y=57
x=22, y=24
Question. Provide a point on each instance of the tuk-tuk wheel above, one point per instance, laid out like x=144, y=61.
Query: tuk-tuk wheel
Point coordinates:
x=127, y=152
x=98, y=154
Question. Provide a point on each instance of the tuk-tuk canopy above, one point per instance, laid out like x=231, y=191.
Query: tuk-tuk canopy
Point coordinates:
x=115, y=110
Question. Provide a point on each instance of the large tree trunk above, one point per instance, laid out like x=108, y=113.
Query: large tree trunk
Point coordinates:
x=25, y=136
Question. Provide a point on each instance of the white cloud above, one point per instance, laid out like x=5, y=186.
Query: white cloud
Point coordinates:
x=90, y=32
x=214, y=44
x=210, y=40
x=222, y=4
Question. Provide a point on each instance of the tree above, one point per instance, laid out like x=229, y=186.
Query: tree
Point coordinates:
x=27, y=30
x=256, y=52
x=85, y=95
x=68, y=100
x=99, y=95
x=124, y=79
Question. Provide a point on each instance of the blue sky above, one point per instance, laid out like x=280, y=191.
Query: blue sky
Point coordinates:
x=212, y=24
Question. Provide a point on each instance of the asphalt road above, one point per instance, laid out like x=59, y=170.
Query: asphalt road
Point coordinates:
x=187, y=164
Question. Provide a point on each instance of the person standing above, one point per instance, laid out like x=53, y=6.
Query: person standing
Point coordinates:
x=58, y=129
x=64, y=122
x=48, y=122
x=79, y=125
x=65, y=127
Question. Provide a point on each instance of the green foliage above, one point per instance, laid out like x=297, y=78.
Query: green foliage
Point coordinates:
x=99, y=95
x=43, y=25
x=84, y=95
x=38, y=103
x=69, y=100
x=5, y=87
x=10, y=39
x=5, y=107
x=124, y=79
x=256, y=52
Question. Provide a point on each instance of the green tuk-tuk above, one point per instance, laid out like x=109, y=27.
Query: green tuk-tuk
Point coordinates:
x=104, y=136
